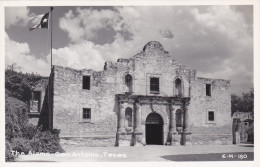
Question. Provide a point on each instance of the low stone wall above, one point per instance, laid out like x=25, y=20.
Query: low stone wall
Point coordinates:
x=87, y=142
x=129, y=140
x=125, y=140
x=211, y=139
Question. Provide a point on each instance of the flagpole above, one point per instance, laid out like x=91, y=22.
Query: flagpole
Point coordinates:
x=50, y=95
x=51, y=8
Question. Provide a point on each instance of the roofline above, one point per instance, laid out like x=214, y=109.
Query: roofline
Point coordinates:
x=215, y=79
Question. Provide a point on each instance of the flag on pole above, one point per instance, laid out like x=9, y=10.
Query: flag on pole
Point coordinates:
x=40, y=21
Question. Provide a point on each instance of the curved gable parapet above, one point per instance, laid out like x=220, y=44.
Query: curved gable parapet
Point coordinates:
x=153, y=46
x=153, y=56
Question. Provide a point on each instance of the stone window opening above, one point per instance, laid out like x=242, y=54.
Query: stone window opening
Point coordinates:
x=86, y=113
x=128, y=119
x=154, y=85
x=208, y=89
x=35, y=105
x=86, y=82
x=179, y=120
x=178, y=87
x=129, y=82
x=211, y=116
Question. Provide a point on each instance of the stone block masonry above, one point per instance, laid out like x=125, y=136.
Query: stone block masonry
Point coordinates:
x=147, y=99
x=219, y=103
x=70, y=99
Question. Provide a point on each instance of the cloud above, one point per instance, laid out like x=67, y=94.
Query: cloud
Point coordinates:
x=79, y=56
x=22, y=57
x=89, y=24
x=215, y=40
x=225, y=48
x=226, y=21
x=16, y=16
x=87, y=54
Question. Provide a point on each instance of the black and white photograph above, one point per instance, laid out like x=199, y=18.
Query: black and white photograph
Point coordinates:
x=109, y=82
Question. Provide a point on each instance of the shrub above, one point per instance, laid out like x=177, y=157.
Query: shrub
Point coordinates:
x=8, y=155
x=30, y=131
x=43, y=141
x=23, y=137
x=46, y=141
x=21, y=145
x=19, y=135
x=16, y=117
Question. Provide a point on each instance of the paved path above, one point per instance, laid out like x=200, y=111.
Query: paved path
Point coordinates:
x=148, y=153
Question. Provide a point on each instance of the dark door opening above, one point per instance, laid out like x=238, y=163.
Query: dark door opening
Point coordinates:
x=154, y=129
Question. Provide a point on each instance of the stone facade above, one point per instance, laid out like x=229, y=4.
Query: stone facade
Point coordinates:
x=147, y=99
x=241, y=123
x=36, y=103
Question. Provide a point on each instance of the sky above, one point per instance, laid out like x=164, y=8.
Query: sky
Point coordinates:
x=217, y=41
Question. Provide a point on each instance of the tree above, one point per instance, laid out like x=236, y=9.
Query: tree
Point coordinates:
x=235, y=103
x=13, y=67
x=244, y=103
x=248, y=99
x=19, y=85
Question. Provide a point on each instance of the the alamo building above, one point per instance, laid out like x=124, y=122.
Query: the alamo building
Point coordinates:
x=147, y=99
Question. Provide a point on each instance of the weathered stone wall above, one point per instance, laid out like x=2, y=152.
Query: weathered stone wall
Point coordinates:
x=70, y=99
x=90, y=142
x=219, y=130
x=153, y=61
x=241, y=123
x=35, y=110
x=211, y=139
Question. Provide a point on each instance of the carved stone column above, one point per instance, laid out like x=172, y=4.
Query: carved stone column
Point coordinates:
x=138, y=125
x=175, y=138
x=172, y=119
x=121, y=127
x=186, y=121
x=186, y=131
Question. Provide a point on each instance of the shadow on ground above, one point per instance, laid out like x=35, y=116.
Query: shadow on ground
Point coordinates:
x=233, y=156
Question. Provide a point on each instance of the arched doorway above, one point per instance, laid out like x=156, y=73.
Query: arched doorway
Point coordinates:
x=154, y=129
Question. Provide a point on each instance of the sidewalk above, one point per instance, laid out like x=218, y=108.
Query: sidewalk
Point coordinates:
x=148, y=153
